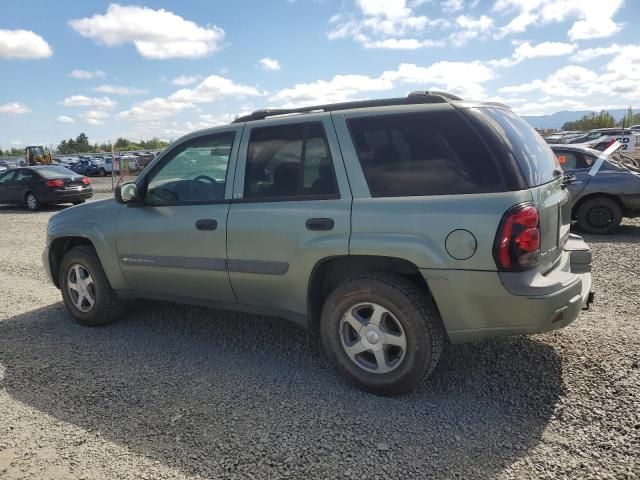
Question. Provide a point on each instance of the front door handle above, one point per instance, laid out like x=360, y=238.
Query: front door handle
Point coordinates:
x=206, y=224
x=320, y=224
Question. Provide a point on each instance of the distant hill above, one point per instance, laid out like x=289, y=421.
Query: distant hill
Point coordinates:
x=556, y=120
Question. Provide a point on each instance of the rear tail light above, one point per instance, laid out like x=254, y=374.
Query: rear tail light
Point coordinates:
x=86, y=180
x=517, y=244
x=54, y=183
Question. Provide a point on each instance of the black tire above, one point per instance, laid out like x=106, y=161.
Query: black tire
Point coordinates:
x=599, y=215
x=107, y=306
x=412, y=308
x=31, y=202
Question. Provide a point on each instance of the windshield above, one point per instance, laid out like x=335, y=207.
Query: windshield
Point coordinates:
x=536, y=159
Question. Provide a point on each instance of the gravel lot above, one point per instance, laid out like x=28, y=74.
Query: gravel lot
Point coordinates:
x=183, y=392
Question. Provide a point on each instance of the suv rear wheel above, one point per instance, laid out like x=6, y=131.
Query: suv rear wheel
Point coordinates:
x=599, y=215
x=381, y=332
x=86, y=291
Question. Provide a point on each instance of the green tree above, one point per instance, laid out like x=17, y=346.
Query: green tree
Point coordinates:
x=590, y=121
x=630, y=118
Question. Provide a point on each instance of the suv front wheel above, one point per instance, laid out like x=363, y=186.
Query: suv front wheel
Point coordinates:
x=382, y=333
x=86, y=291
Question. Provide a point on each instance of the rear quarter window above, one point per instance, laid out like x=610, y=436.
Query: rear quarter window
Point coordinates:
x=424, y=153
x=535, y=158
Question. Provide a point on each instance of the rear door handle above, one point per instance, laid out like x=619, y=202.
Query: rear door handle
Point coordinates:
x=206, y=224
x=320, y=224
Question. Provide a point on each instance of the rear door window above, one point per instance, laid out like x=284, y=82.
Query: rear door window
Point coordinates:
x=289, y=161
x=536, y=159
x=425, y=153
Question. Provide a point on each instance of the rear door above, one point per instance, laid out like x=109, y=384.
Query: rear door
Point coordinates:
x=17, y=186
x=291, y=208
x=5, y=178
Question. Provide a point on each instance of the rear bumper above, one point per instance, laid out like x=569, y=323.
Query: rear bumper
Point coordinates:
x=476, y=305
x=61, y=196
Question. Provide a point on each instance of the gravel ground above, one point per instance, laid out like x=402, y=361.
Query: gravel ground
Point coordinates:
x=183, y=392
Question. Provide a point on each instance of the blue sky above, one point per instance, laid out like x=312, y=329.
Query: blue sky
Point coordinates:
x=163, y=68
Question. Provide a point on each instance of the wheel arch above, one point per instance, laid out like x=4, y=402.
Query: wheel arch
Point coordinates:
x=330, y=271
x=590, y=196
x=59, y=247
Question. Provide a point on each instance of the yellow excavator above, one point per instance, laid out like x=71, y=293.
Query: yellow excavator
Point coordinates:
x=37, y=155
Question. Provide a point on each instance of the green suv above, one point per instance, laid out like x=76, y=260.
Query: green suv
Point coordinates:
x=387, y=228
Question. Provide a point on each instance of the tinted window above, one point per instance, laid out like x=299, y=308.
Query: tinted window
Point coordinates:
x=534, y=156
x=195, y=171
x=427, y=153
x=5, y=177
x=56, y=172
x=289, y=161
x=23, y=176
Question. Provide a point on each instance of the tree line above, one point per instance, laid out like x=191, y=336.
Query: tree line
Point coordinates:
x=603, y=120
x=81, y=144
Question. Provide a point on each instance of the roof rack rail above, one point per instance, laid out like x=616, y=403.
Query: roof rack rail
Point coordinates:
x=413, y=98
x=434, y=93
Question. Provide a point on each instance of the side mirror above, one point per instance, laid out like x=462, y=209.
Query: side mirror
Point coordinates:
x=127, y=193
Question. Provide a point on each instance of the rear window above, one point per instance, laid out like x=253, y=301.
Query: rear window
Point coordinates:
x=55, y=172
x=536, y=159
x=425, y=153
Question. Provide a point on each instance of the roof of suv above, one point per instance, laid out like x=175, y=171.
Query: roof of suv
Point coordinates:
x=414, y=98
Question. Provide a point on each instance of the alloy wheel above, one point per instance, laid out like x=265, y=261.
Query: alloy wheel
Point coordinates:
x=373, y=338
x=81, y=288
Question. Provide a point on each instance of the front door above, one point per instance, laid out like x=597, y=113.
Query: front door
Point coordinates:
x=291, y=209
x=578, y=164
x=173, y=243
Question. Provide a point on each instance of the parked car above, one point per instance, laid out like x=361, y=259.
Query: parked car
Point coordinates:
x=385, y=227
x=42, y=185
x=7, y=164
x=600, y=199
x=85, y=166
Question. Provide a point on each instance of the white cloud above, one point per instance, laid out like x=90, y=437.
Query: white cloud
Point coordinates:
x=470, y=28
x=269, y=64
x=592, y=18
x=185, y=80
x=464, y=78
x=65, y=119
x=154, y=109
x=339, y=89
x=87, y=74
x=23, y=44
x=209, y=90
x=461, y=78
x=84, y=101
x=94, y=117
x=213, y=88
x=452, y=6
x=385, y=24
x=119, y=90
x=403, y=44
x=156, y=34
x=525, y=51
x=588, y=54
x=14, y=108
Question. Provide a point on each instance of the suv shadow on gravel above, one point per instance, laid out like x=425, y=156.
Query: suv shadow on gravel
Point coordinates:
x=180, y=386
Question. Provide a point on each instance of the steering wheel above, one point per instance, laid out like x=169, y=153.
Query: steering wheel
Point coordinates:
x=205, y=177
